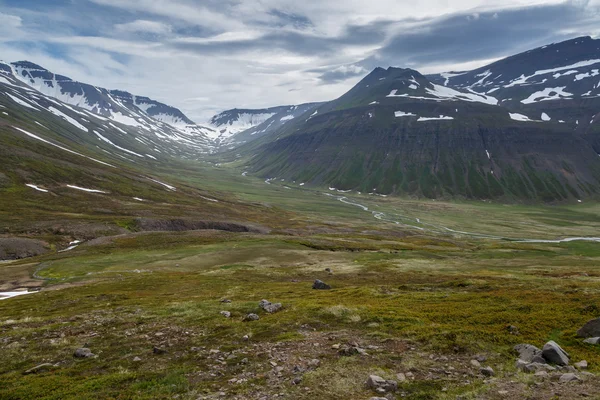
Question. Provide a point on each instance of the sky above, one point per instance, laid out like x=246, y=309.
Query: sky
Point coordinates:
x=206, y=56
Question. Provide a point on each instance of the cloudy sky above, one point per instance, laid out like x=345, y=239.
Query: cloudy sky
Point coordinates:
x=205, y=56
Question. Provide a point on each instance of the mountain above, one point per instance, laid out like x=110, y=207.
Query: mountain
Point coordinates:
x=236, y=126
x=516, y=134
x=239, y=126
x=122, y=123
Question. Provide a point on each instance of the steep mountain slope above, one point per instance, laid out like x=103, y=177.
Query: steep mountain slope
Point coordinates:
x=397, y=132
x=116, y=121
x=279, y=116
x=239, y=126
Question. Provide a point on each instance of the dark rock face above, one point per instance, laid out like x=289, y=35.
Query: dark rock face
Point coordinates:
x=320, y=285
x=590, y=329
x=17, y=248
x=180, y=225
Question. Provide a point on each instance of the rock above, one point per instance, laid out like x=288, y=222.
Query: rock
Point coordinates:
x=226, y=314
x=40, y=368
x=251, y=317
x=158, y=350
x=542, y=374
x=487, y=371
x=590, y=329
x=320, y=285
x=328, y=270
x=245, y=338
x=594, y=340
x=401, y=377
x=554, y=354
x=137, y=359
x=533, y=367
x=475, y=363
x=513, y=330
x=570, y=377
x=83, y=352
x=539, y=359
x=527, y=352
x=225, y=301
x=270, y=307
x=379, y=384
x=581, y=364
x=314, y=363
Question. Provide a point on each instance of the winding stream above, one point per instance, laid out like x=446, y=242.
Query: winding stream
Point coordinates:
x=409, y=222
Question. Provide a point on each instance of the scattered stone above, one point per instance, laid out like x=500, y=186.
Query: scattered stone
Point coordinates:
x=401, y=377
x=581, y=364
x=554, y=354
x=320, y=285
x=328, y=270
x=83, y=352
x=226, y=314
x=245, y=338
x=378, y=398
x=513, y=330
x=570, y=377
x=296, y=381
x=270, y=307
x=594, y=340
x=527, y=352
x=225, y=301
x=475, y=363
x=381, y=385
x=487, y=371
x=314, y=363
x=542, y=374
x=479, y=357
x=502, y=392
x=590, y=329
x=533, y=367
x=137, y=359
x=158, y=350
x=40, y=368
x=251, y=317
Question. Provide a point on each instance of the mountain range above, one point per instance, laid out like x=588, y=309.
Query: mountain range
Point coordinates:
x=524, y=128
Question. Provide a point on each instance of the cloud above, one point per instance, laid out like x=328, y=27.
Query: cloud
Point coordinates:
x=144, y=26
x=215, y=54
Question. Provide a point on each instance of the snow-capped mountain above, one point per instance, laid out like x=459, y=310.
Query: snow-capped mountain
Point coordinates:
x=240, y=126
x=97, y=100
x=527, y=127
x=118, y=122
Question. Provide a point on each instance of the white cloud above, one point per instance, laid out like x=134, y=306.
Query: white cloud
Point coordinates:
x=144, y=26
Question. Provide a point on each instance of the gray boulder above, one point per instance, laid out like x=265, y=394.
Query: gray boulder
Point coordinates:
x=554, y=354
x=487, y=371
x=226, y=314
x=527, y=352
x=381, y=385
x=570, y=377
x=583, y=364
x=83, y=352
x=320, y=285
x=590, y=329
x=270, y=307
x=594, y=340
x=251, y=317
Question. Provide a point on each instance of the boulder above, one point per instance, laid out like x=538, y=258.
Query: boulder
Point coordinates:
x=270, y=307
x=381, y=385
x=554, y=354
x=594, y=340
x=570, y=377
x=226, y=314
x=83, y=352
x=527, y=352
x=590, y=329
x=320, y=285
x=487, y=371
x=581, y=364
x=251, y=317
x=533, y=367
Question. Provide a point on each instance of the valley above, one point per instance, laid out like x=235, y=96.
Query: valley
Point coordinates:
x=396, y=242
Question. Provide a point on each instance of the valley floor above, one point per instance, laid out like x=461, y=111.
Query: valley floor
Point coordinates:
x=424, y=293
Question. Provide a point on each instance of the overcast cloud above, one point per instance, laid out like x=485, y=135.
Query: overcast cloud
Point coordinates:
x=210, y=55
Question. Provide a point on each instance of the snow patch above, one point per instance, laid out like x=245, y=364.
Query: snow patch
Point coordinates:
x=399, y=114
x=39, y=189
x=85, y=189
x=440, y=118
